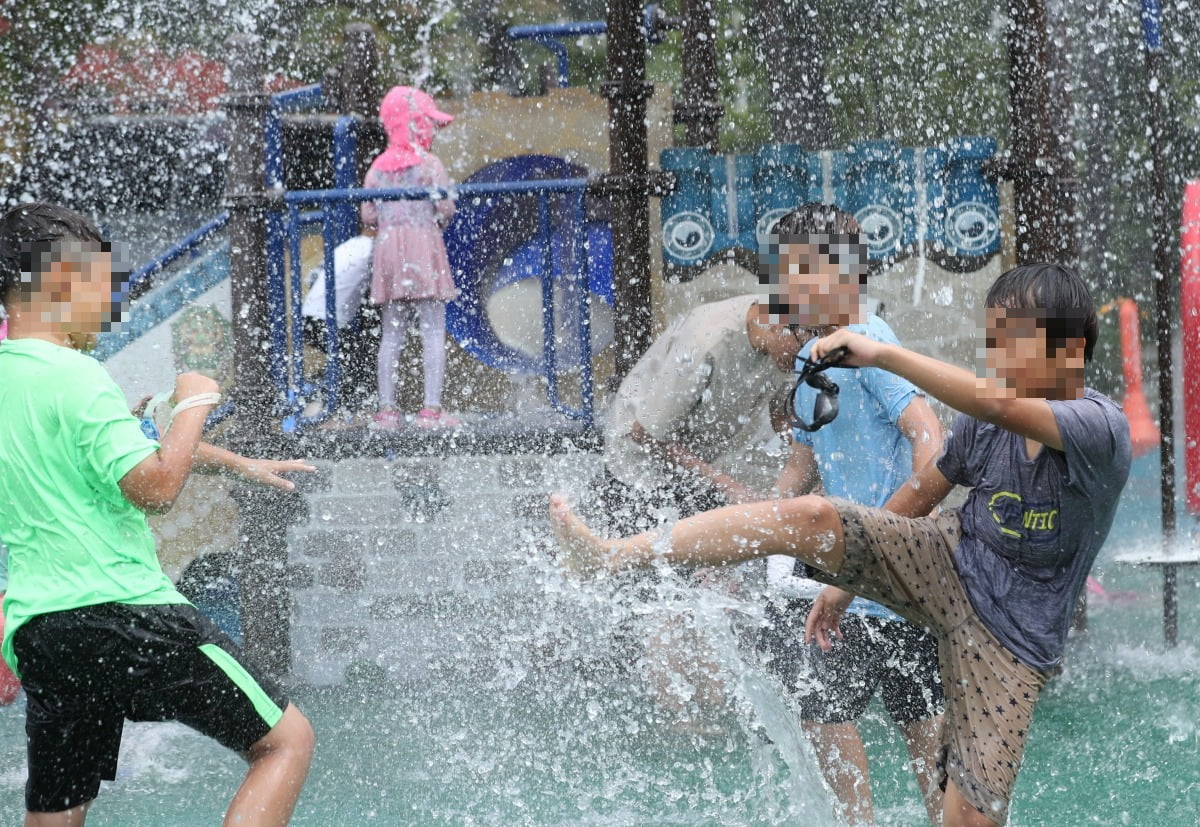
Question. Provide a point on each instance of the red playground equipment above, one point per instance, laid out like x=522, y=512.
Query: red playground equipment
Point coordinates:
x=1189, y=310
x=1143, y=432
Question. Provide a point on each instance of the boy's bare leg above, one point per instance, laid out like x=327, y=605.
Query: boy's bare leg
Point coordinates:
x=924, y=739
x=957, y=812
x=278, y=765
x=67, y=818
x=807, y=528
x=843, y=761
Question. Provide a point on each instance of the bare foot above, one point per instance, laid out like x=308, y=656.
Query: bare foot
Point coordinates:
x=583, y=553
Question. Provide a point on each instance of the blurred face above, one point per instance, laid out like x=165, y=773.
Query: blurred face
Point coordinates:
x=1017, y=355
x=76, y=291
x=813, y=289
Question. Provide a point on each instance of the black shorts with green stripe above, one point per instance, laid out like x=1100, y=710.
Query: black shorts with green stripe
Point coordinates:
x=86, y=670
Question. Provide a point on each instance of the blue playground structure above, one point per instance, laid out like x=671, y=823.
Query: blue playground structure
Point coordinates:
x=933, y=198
x=550, y=36
x=523, y=231
x=495, y=244
x=519, y=219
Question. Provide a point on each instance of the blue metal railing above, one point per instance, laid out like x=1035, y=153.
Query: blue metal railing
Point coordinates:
x=202, y=272
x=335, y=199
x=281, y=224
x=305, y=97
x=549, y=35
x=185, y=246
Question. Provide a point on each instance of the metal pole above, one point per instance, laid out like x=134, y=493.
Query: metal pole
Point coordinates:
x=697, y=108
x=246, y=107
x=1043, y=178
x=583, y=270
x=1044, y=185
x=360, y=88
x=627, y=180
x=1166, y=287
x=361, y=95
x=344, y=217
x=262, y=516
x=549, y=344
x=790, y=46
x=275, y=250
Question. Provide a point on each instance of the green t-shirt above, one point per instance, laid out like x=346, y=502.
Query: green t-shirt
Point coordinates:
x=66, y=440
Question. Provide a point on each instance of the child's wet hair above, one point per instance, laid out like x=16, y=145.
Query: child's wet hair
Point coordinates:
x=1061, y=300
x=814, y=219
x=30, y=234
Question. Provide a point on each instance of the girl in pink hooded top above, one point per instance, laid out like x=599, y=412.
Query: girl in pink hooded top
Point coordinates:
x=411, y=274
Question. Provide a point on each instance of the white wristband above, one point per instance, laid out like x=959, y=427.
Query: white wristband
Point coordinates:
x=196, y=401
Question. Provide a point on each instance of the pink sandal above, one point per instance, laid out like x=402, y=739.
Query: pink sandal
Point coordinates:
x=387, y=420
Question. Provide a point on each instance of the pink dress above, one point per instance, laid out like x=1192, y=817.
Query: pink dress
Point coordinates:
x=410, y=260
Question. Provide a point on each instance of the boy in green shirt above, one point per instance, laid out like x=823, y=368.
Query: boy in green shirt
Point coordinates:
x=94, y=628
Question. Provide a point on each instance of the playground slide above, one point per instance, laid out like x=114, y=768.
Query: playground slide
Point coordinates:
x=498, y=255
x=499, y=250
x=138, y=353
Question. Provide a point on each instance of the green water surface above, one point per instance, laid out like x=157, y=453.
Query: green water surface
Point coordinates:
x=1114, y=741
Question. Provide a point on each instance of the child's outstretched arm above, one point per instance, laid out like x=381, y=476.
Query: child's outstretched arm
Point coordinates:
x=155, y=482
x=262, y=471
x=958, y=388
x=211, y=459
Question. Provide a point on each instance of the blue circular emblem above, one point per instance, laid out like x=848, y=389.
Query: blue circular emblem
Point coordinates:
x=881, y=227
x=763, y=228
x=972, y=227
x=688, y=236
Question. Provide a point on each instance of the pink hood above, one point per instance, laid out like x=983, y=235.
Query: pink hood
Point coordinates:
x=410, y=118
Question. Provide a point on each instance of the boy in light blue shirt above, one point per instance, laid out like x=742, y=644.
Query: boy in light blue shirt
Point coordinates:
x=815, y=269
x=872, y=402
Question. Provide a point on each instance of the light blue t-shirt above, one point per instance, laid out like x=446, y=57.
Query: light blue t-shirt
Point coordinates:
x=862, y=455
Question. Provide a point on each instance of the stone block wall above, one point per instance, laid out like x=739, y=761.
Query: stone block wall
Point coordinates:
x=419, y=568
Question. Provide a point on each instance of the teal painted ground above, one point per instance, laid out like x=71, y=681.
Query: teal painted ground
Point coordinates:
x=1114, y=742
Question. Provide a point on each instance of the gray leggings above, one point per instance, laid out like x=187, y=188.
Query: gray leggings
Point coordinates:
x=396, y=318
